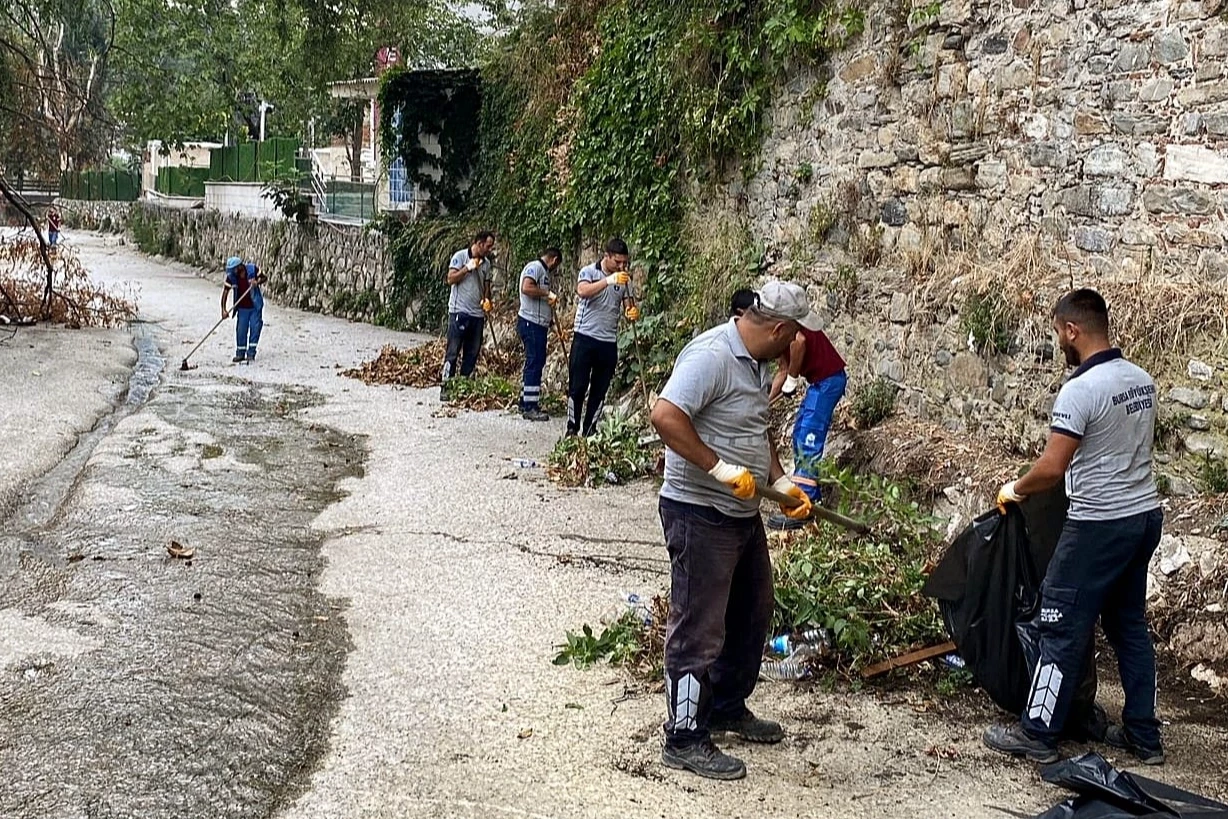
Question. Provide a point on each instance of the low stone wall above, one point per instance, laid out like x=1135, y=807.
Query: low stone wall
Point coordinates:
x=106, y=217
x=334, y=269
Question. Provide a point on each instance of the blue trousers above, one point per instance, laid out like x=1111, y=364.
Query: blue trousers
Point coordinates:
x=1099, y=570
x=534, y=338
x=810, y=431
x=248, y=324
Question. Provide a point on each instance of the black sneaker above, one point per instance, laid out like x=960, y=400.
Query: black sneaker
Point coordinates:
x=443, y=393
x=1119, y=737
x=1013, y=740
x=237, y=360
x=534, y=415
x=704, y=759
x=783, y=523
x=750, y=728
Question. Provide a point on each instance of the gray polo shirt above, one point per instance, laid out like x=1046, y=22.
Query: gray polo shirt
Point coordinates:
x=467, y=294
x=725, y=392
x=598, y=317
x=1109, y=406
x=535, y=310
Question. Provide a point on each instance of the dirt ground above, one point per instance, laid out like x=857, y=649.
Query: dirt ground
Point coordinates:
x=454, y=574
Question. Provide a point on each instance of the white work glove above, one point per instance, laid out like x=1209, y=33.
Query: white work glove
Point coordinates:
x=737, y=478
x=473, y=264
x=552, y=298
x=619, y=278
x=1007, y=494
x=790, y=385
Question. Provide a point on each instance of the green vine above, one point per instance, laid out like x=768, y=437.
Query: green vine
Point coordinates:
x=442, y=104
x=417, y=297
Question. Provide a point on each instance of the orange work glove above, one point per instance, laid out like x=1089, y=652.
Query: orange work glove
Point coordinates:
x=788, y=487
x=632, y=313
x=737, y=478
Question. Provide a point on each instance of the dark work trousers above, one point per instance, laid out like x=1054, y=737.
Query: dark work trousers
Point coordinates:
x=534, y=338
x=1098, y=570
x=589, y=373
x=465, y=342
x=720, y=607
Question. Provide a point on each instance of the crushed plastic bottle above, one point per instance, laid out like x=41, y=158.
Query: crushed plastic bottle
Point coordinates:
x=818, y=638
x=953, y=660
x=525, y=463
x=641, y=606
x=794, y=667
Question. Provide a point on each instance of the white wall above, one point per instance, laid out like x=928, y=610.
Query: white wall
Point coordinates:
x=242, y=198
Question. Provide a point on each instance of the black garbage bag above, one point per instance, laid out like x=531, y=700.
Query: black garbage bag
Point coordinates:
x=988, y=590
x=986, y=583
x=1107, y=793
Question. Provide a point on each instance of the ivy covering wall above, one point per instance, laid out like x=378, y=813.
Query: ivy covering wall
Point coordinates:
x=620, y=118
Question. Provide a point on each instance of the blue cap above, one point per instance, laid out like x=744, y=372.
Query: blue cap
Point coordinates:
x=233, y=262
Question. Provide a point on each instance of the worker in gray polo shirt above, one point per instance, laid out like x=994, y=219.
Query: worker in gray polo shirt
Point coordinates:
x=537, y=302
x=1100, y=439
x=469, y=277
x=713, y=419
x=605, y=296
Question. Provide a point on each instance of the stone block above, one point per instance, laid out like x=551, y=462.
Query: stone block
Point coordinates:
x=1193, y=163
x=1108, y=159
x=1177, y=233
x=1137, y=234
x=1093, y=239
x=1088, y=123
x=1156, y=89
x=905, y=179
x=1212, y=265
x=1206, y=443
x=1147, y=158
x=900, y=309
x=1215, y=42
x=967, y=372
x=892, y=369
x=1133, y=57
x=1077, y=200
x=1169, y=46
x=991, y=174
x=1189, y=201
x=1044, y=155
x=860, y=68
x=1100, y=64
x=1205, y=94
x=958, y=179
x=1113, y=200
x=1199, y=371
x=1139, y=124
x=1189, y=397
x=995, y=44
x=876, y=159
x=894, y=213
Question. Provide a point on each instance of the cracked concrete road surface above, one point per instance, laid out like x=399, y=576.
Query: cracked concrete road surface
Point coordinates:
x=367, y=624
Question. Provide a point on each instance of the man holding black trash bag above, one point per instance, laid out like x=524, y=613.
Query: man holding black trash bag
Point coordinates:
x=1101, y=439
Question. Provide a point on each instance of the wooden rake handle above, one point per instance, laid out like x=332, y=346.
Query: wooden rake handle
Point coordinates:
x=768, y=493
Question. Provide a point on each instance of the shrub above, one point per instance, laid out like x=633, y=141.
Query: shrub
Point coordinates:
x=874, y=403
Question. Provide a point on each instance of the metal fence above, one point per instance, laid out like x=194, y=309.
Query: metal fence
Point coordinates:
x=254, y=161
x=106, y=185
x=174, y=181
x=355, y=200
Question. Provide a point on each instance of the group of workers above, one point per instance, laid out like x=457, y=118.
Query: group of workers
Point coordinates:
x=713, y=417
x=605, y=298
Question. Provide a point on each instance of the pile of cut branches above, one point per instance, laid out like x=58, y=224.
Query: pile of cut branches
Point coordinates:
x=67, y=297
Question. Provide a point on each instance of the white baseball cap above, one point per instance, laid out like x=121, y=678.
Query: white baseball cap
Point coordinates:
x=785, y=300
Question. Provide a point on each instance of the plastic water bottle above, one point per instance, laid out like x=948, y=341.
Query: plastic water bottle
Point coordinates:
x=641, y=607
x=794, y=667
x=815, y=638
x=524, y=463
x=953, y=660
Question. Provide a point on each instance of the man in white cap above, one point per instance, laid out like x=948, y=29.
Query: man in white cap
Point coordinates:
x=713, y=419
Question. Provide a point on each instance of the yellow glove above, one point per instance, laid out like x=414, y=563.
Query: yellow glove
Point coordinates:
x=737, y=478
x=473, y=264
x=632, y=312
x=552, y=297
x=487, y=306
x=1007, y=494
x=621, y=278
x=788, y=487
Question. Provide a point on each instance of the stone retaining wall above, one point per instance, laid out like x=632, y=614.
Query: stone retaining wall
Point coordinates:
x=335, y=269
